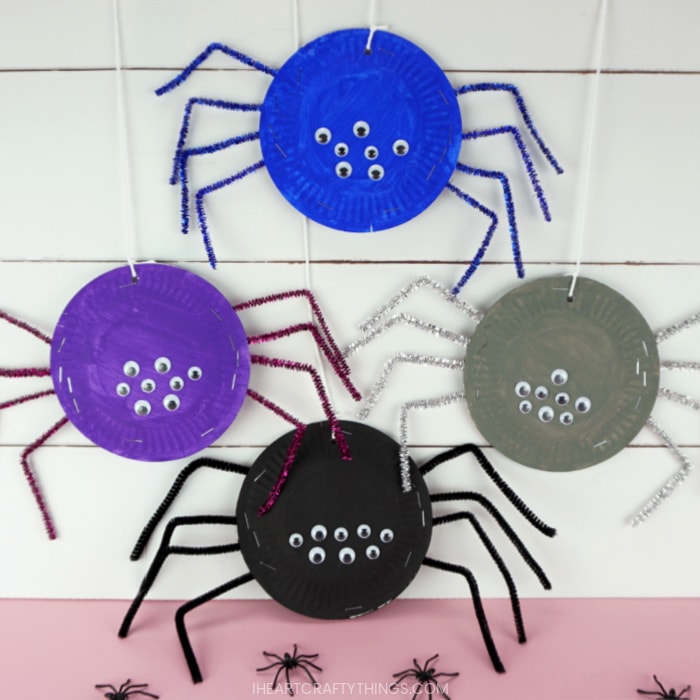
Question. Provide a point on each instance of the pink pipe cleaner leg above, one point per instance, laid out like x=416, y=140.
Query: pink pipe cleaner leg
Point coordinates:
x=325, y=402
x=33, y=484
x=26, y=397
x=315, y=309
x=291, y=450
x=25, y=372
x=339, y=366
x=25, y=327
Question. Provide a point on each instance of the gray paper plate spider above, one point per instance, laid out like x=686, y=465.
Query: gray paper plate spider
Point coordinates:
x=426, y=678
x=553, y=380
x=360, y=130
x=126, y=690
x=290, y=662
x=665, y=694
x=344, y=539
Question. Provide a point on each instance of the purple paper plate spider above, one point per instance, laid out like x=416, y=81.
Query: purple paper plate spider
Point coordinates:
x=360, y=131
x=343, y=540
x=157, y=367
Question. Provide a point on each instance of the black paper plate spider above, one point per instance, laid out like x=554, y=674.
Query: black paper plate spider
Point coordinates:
x=553, y=381
x=344, y=539
x=157, y=367
x=290, y=662
x=426, y=677
x=665, y=694
x=360, y=130
x=126, y=690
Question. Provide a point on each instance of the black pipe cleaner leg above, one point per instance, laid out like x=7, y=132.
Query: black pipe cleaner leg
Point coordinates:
x=165, y=549
x=478, y=606
x=498, y=560
x=175, y=489
x=503, y=524
x=491, y=472
x=195, y=603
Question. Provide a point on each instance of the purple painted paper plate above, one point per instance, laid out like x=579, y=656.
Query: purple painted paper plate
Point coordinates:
x=153, y=370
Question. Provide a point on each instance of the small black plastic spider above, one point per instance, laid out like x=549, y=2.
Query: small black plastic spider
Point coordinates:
x=126, y=690
x=426, y=678
x=665, y=694
x=289, y=663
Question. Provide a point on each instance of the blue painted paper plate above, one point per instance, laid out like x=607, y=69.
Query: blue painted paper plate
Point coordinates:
x=360, y=141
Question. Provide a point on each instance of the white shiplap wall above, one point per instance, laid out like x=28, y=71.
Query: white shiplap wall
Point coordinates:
x=61, y=209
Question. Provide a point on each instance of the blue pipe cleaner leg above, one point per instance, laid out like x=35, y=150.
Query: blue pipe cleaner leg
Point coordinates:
x=513, y=90
x=476, y=260
x=199, y=203
x=237, y=55
x=185, y=126
x=182, y=170
x=524, y=153
x=510, y=210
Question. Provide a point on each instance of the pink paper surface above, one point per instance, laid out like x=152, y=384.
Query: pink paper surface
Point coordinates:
x=594, y=648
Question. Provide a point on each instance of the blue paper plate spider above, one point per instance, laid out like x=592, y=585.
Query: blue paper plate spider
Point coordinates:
x=359, y=134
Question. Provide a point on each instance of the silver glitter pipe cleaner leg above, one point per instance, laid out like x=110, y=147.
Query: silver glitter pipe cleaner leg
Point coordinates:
x=403, y=429
x=671, y=484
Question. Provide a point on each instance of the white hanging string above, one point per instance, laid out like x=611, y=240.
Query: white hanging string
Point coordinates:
x=127, y=210
x=296, y=29
x=591, y=122
x=373, y=26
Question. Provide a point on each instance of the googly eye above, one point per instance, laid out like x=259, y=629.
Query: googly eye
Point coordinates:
x=340, y=534
x=562, y=398
x=296, y=540
x=522, y=389
x=123, y=389
x=371, y=152
x=176, y=383
x=131, y=368
x=546, y=414
x=525, y=407
x=541, y=392
x=318, y=533
x=386, y=535
x=566, y=418
x=583, y=404
x=142, y=408
x=376, y=172
x=364, y=531
x=322, y=135
x=148, y=386
x=317, y=555
x=360, y=129
x=343, y=169
x=560, y=377
x=171, y=402
x=162, y=365
x=372, y=552
x=341, y=149
x=194, y=373
x=400, y=147
x=346, y=555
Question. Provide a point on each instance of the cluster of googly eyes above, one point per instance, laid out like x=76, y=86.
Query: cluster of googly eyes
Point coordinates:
x=546, y=413
x=148, y=385
x=361, y=130
x=346, y=554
